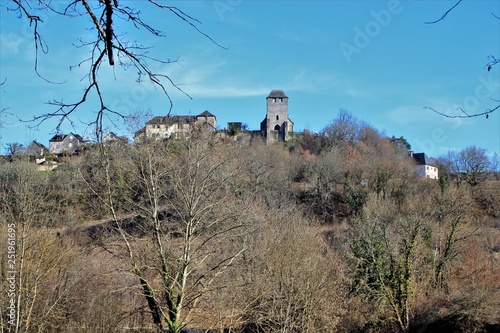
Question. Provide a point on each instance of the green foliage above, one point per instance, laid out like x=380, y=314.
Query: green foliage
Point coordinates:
x=354, y=195
x=401, y=144
x=385, y=247
x=234, y=128
x=381, y=181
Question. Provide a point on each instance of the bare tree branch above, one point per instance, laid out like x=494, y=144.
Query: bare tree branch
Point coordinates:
x=109, y=31
x=465, y=114
x=3, y=109
x=94, y=18
x=188, y=19
x=492, y=62
x=40, y=43
x=107, y=45
x=445, y=14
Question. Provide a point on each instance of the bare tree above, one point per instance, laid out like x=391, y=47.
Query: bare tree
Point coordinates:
x=15, y=150
x=193, y=227
x=470, y=165
x=291, y=282
x=109, y=46
x=266, y=170
x=453, y=217
x=328, y=172
x=343, y=129
x=38, y=260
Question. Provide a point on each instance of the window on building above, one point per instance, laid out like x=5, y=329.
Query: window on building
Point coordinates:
x=281, y=100
x=277, y=117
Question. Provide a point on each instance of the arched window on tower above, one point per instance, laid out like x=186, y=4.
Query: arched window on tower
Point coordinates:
x=277, y=117
x=277, y=127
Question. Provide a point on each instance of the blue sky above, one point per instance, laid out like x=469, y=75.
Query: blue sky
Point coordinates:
x=376, y=59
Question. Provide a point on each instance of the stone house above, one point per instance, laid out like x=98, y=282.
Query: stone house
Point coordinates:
x=66, y=144
x=426, y=167
x=36, y=149
x=277, y=127
x=111, y=139
x=165, y=127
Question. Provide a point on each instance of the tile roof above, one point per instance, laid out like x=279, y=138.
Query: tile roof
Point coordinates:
x=422, y=159
x=57, y=138
x=185, y=119
x=169, y=120
x=61, y=137
x=206, y=114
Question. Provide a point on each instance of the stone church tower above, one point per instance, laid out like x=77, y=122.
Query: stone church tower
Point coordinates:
x=277, y=126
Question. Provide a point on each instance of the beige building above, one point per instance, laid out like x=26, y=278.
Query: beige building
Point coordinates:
x=426, y=167
x=165, y=127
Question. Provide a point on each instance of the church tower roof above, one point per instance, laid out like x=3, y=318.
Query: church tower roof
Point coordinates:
x=277, y=94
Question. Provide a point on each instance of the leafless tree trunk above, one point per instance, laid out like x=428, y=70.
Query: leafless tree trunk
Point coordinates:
x=192, y=215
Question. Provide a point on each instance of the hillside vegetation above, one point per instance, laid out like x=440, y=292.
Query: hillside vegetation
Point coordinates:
x=328, y=233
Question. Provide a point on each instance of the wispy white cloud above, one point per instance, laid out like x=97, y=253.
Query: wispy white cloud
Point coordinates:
x=357, y=92
x=219, y=78
x=12, y=44
x=408, y=114
x=419, y=115
x=304, y=80
x=226, y=91
x=210, y=79
x=302, y=37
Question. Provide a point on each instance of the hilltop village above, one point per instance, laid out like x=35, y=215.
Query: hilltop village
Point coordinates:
x=275, y=127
